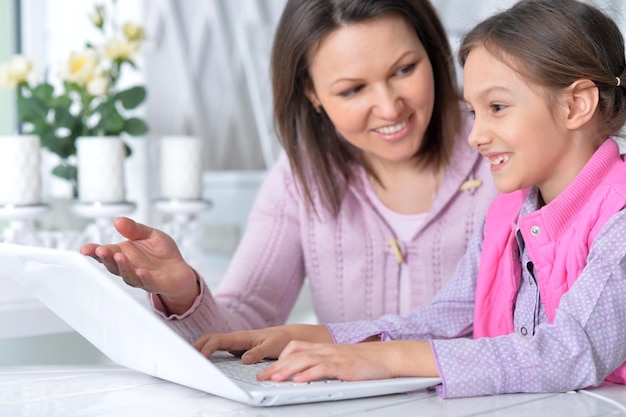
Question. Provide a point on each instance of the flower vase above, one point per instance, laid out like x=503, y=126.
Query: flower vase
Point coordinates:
x=100, y=169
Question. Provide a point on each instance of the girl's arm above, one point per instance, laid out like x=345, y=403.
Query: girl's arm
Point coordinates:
x=306, y=354
x=585, y=342
x=304, y=361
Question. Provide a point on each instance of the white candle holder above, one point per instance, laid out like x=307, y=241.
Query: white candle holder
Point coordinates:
x=22, y=228
x=101, y=230
x=182, y=225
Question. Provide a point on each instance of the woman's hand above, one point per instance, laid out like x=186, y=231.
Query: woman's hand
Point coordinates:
x=255, y=345
x=149, y=259
x=305, y=361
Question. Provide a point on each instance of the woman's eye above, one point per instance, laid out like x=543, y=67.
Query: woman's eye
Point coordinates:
x=351, y=91
x=407, y=69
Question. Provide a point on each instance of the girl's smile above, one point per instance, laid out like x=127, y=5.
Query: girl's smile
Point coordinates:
x=497, y=161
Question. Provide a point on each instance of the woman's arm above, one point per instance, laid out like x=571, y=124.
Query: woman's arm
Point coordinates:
x=265, y=274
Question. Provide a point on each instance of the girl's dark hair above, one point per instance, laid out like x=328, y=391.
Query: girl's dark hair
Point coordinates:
x=556, y=42
x=315, y=150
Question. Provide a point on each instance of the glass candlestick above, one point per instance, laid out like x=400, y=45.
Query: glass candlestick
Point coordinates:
x=101, y=229
x=22, y=228
x=183, y=225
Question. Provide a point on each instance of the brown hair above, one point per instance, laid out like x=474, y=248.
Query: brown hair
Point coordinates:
x=556, y=42
x=314, y=148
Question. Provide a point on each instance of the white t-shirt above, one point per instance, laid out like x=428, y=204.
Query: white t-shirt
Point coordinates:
x=404, y=227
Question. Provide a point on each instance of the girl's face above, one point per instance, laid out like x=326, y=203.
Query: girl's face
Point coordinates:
x=375, y=82
x=516, y=129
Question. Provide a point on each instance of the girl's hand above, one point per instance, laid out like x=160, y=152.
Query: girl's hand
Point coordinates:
x=304, y=361
x=150, y=260
x=255, y=345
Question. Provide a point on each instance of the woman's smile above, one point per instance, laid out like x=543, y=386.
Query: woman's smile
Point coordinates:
x=393, y=133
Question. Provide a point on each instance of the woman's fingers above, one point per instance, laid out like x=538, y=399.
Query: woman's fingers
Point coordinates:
x=230, y=342
x=253, y=346
x=139, y=278
x=267, y=349
x=89, y=249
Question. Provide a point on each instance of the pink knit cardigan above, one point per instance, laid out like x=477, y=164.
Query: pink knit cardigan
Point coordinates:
x=348, y=260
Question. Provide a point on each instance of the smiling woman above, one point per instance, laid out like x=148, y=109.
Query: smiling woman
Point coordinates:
x=376, y=161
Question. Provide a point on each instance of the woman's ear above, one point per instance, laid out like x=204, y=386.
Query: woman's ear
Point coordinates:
x=582, y=98
x=312, y=96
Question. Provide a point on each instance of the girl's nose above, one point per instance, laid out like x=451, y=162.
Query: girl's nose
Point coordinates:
x=478, y=136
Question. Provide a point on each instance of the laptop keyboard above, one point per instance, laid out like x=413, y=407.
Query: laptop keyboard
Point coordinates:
x=237, y=370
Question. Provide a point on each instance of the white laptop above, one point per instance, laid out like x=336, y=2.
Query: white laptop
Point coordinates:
x=95, y=303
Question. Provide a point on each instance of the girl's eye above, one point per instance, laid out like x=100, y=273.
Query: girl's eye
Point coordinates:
x=497, y=107
x=472, y=113
x=351, y=91
x=406, y=70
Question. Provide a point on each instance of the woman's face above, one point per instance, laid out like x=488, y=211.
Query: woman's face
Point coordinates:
x=375, y=82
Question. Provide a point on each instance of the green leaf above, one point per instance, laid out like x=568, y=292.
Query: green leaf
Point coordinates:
x=135, y=127
x=46, y=134
x=63, y=118
x=67, y=172
x=62, y=146
x=62, y=101
x=31, y=109
x=128, y=150
x=111, y=122
x=43, y=92
x=132, y=97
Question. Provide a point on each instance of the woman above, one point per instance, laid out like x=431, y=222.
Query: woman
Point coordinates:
x=377, y=194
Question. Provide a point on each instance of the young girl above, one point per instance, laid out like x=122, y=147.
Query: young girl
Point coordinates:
x=538, y=302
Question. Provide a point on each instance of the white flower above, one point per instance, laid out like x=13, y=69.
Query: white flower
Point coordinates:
x=81, y=67
x=17, y=70
x=134, y=32
x=98, y=85
x=121, y=48
x=97, y=17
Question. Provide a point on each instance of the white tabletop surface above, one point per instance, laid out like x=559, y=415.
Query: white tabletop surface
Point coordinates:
x=111, y=391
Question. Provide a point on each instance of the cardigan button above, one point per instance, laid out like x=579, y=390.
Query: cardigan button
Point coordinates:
x=523, y=331
x=535, y=231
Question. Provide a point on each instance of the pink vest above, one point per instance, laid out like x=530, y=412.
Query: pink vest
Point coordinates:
x=597, y=193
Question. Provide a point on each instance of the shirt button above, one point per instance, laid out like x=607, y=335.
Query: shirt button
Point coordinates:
x=523, y=331
x=535, y=231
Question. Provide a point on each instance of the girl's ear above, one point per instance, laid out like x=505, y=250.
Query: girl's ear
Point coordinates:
x=582, y=98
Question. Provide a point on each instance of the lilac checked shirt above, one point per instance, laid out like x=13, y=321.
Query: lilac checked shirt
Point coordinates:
x=586, y=341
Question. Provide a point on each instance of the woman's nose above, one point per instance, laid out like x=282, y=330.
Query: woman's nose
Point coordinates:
x=388, y=103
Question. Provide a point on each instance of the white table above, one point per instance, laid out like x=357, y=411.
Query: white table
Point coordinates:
x=111, y=391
